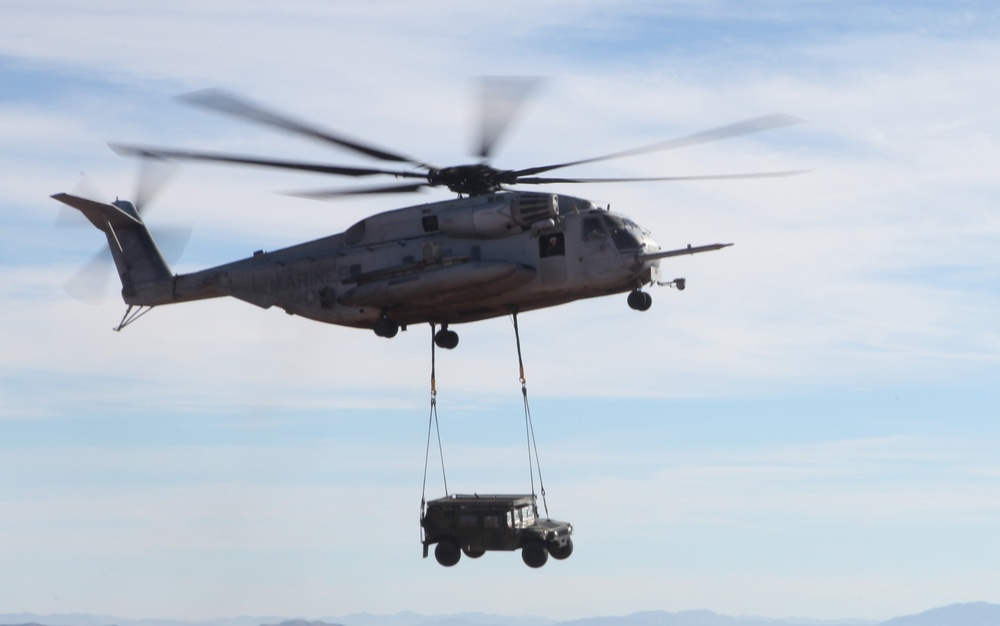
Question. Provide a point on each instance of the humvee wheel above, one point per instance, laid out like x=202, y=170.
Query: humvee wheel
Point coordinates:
x=562, y=552
x=534, y=554
x=473, y=554
x=447, y=552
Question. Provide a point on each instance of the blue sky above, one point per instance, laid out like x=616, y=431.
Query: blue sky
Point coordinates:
x=810, y=428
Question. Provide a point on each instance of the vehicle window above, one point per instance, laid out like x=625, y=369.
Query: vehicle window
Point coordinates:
x=527, y=516
x=491, y=521
x=467, y=521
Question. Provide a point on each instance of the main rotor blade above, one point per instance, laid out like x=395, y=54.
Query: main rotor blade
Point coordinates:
x=502, y=98
x=547, y=180
x=223, y=102
x=193, y=155
x=755, y=125
x=331, y=194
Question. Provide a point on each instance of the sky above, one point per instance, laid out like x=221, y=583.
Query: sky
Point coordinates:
x=810, y=428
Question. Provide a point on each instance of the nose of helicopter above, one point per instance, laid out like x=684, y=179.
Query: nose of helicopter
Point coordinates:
x=649, y=269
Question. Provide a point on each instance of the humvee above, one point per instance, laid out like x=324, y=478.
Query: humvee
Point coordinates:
x=475, y=524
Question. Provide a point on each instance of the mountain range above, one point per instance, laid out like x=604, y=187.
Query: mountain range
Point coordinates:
x=967, y=614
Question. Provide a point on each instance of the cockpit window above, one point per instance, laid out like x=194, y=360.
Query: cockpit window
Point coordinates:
x=623, y=232
x=593, y=230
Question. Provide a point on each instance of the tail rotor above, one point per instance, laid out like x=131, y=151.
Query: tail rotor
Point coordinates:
x=90, y=283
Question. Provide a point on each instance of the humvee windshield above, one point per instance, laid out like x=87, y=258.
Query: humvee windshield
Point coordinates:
x=521, y=517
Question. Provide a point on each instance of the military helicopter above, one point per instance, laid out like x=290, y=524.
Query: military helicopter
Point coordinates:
x=490, y=251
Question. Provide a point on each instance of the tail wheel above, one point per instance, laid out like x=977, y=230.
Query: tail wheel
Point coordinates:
x=447, y=552
x=534, y=554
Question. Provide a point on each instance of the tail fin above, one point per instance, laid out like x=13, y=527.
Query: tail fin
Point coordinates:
x=136, y=256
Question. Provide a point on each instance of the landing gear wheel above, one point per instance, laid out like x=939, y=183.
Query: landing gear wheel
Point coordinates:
x=447, y=339
x=534, y=554
x=640, y=300
x=385, y=327
x=563, y=551
x=473, y=554
x=447, y=552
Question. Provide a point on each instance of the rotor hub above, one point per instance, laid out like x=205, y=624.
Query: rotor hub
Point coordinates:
x=473, y=180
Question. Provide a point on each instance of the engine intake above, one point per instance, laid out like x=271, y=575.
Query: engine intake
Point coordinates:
x=515, y=213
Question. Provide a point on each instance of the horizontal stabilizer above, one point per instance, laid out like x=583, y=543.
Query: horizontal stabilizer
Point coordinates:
x=100, y=214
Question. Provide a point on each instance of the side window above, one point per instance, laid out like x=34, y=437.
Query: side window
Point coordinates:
x=491, y=521
x=552, y=245
x=527, y=516
x=467, y=521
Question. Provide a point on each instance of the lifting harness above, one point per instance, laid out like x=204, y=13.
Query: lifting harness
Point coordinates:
x=529, y=428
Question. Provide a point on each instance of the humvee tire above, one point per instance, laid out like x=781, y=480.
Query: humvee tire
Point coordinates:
x=534, y=554
x=447, y=552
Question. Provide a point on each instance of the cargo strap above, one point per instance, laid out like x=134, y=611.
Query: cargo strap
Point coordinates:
x=529, y=428
x=432, y=421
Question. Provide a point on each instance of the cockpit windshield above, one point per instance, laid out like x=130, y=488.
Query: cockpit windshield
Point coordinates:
x=624, y=232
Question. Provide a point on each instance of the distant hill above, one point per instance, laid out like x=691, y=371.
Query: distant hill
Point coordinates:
x=970, y=614
x=705, y=618
x=302, y=622
x=409, y=618
x=86, y=619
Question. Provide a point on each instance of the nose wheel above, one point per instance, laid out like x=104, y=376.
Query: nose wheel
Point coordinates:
x=444, y=338
x=640, y=300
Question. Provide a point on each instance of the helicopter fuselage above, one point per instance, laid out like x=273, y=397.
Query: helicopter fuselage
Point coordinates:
x=444, y=262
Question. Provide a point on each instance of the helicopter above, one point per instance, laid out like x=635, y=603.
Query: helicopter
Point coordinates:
x=489, y=251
